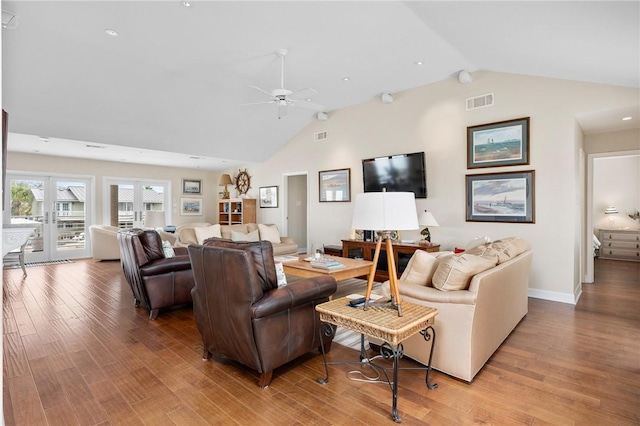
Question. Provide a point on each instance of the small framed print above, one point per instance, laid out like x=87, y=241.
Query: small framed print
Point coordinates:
x=191, y=186
x=268, y=197
x=505, y=143
x=191, y=206
x=501, y=197
x=335, y=185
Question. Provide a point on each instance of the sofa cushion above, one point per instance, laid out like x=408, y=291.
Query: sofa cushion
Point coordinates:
x=420, y=268
x=249, y=236
x=269, y=233
x=502, y=250
x=202, y=233
x=454, y=272
x=226, y=230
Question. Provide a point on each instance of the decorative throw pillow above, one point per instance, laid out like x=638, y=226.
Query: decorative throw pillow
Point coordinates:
x=168, y=250
x=455, y=272
x=420, y=268
x=202, y=233
x=282, y=278
x=269, y=233
x=241, y=236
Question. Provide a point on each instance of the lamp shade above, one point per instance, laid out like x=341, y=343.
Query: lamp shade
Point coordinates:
x=427, y=219
x=611, y=210
x=385, y=211
x=154, y=219
x=225, y=179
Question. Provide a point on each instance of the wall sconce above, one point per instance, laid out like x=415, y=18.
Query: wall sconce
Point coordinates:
x=225, y=180
x=611, y=211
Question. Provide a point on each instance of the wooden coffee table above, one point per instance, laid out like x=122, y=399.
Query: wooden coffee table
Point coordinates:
x=352, y=268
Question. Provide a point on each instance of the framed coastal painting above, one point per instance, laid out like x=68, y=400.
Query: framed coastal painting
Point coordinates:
x=268, y=196
x=335, y=185
x=191, y=206
x=505, y=143
x=191, y=186
x=501, y=197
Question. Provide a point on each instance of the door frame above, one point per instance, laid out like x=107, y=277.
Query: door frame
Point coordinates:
x=107, y=181
x=285, y=202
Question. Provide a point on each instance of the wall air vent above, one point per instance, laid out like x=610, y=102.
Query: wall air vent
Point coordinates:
x=481, y=101
x=95, y=146
x=320, y=136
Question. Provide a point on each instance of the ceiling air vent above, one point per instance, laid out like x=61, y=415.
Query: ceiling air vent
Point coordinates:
x=320, y=136
x=480, y=101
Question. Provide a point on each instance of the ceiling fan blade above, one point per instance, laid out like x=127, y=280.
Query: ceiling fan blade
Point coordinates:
x=303, y=93
x=261, y=90
x=307, y=105
x=258, y=103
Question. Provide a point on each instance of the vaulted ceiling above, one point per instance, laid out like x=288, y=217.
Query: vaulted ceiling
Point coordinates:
x=169, y=86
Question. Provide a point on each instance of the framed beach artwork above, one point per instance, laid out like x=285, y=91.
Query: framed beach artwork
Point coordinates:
x=505, y=143
x=334, y=185
x=191, y=186
x=191, y=206
x=501, y=197
x=268, y=197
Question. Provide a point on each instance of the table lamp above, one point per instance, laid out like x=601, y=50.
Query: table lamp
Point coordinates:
x=426, y=219
x=154, y=219
x=225, y=180
x=385, y=212
x=611, y=211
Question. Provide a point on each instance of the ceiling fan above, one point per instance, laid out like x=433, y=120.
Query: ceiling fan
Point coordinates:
x=285, y=98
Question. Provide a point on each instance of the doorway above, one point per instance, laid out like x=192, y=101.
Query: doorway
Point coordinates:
x=61, y=208
x=296, y=209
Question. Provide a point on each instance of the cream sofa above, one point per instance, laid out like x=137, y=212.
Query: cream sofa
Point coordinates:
x=473, y=322
x=104, y=242
x=187, y=234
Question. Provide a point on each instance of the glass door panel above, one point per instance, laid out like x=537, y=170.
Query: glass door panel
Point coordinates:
x=69, y=218
x=130, y=200
x=27, y=206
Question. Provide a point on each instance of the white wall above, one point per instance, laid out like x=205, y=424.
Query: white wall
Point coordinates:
x=433, y=119
x=616, y=182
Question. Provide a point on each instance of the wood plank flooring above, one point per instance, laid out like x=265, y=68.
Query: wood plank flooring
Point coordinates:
x=77, y=352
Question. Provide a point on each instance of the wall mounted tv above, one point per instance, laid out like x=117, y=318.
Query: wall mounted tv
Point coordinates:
x=396, y=173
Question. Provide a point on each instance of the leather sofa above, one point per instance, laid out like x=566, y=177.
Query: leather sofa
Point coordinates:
x=243, y=315
x=156, y=281
x=472, y=322
x=187, y=235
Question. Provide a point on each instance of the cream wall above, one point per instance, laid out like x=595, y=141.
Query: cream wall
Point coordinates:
x=433, y=119
x=20, y=162
x=624, y=140
x=616, y=182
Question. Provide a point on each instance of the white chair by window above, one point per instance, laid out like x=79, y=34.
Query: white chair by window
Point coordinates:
x=16, y=256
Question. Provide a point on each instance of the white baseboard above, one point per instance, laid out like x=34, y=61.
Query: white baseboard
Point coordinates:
x=554, y=296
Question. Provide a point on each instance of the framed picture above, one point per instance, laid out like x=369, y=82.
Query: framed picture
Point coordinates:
x=191, y=186
x=268, y=196
x=335, y=185
x=191, y=206
x=505, y=143
x=501, y=197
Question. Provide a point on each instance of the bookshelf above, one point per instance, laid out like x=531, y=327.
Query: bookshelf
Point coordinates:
x=235, y=211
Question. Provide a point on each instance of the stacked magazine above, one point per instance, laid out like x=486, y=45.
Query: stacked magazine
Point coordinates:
x=326, y=263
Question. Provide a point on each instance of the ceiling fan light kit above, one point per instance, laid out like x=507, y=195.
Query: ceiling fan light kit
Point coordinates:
x=285, y=98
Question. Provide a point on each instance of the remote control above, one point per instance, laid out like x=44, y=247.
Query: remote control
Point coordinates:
x=355, y=302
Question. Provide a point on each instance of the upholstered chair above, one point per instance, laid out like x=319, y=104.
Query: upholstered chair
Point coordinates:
x=244, y=316
x=156, y=281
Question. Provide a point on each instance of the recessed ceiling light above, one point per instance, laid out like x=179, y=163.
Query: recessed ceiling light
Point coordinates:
x=626, y=118
x=43, y=139
x=345, y=78
x=186, y=3
x=418, y=63
x=111, y=32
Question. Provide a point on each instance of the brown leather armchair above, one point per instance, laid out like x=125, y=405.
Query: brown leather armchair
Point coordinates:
x=156, y=281
x=241, y=313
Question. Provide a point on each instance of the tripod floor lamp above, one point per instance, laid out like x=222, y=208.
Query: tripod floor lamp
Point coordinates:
x=385, y=212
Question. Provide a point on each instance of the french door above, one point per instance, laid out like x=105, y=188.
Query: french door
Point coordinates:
x=59, y=206
x=126, y=201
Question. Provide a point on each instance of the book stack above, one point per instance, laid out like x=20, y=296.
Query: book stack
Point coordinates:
x=326, y=264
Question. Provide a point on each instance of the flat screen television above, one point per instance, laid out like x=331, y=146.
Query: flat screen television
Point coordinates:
x=396, y=173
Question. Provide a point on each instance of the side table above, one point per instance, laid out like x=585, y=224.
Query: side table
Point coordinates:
x=382, y=323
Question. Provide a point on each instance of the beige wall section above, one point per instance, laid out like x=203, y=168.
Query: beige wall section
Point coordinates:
x=20, y=162
x=433, y=119
x=624, y=140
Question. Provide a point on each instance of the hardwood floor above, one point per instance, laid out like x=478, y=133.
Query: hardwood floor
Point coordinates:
x=76, y=351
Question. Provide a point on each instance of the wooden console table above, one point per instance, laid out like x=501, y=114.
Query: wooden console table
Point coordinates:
x=401, y=252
